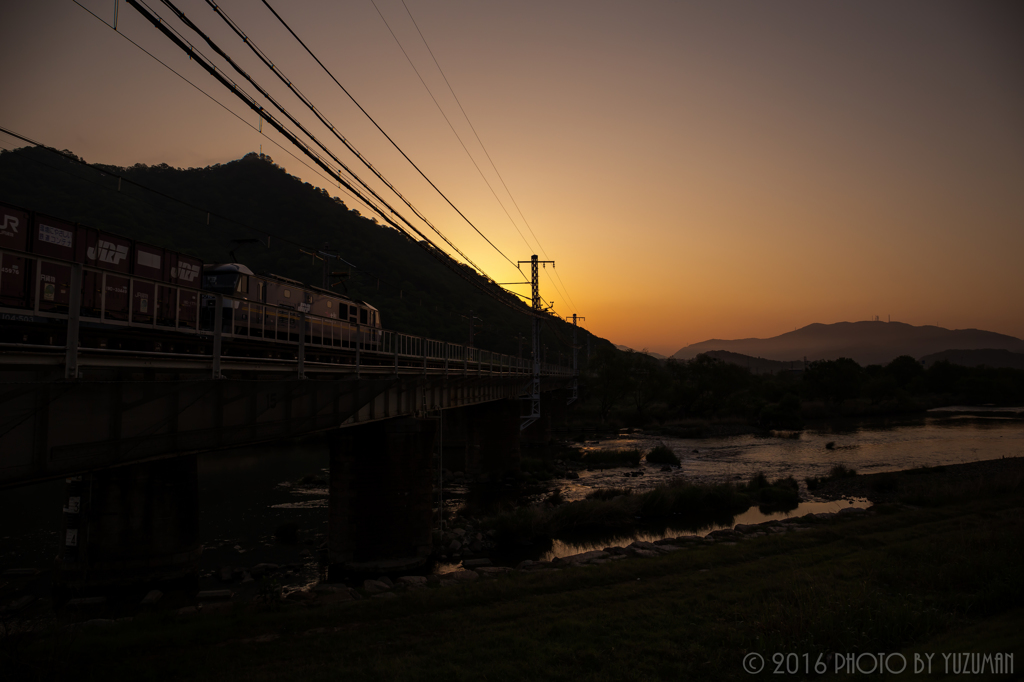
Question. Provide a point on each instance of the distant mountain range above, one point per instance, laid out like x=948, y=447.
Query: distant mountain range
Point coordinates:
x=869, y=343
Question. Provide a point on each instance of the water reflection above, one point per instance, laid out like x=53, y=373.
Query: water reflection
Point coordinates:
x=583, y=542
x=242, y=499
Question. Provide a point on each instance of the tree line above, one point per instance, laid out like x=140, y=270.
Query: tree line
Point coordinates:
x=639, y=389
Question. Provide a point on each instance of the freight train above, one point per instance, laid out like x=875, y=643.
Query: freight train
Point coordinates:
x=137, y=296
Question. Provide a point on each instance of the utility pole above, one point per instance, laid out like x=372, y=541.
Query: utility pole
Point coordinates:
x=534, y=395
x=575, y=363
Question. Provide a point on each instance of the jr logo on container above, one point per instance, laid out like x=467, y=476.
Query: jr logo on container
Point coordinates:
x=10, y=225
x=108, y=253
x=185, y=272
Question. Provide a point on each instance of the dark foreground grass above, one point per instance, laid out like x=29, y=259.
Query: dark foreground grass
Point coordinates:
x=938, y=579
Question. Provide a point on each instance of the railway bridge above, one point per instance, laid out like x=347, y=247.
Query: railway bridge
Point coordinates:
x=84, y=399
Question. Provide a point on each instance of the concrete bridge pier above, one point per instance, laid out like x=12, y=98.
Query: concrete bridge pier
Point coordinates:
x=456, y=440
x=492, y=436
x=130, y=525
x=380, y=506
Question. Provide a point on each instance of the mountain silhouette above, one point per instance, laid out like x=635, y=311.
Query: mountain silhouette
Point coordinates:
x=868, y=343
x=418, y=291
x=657, y=356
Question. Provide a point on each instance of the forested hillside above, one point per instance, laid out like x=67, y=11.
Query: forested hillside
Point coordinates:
x=415, y=291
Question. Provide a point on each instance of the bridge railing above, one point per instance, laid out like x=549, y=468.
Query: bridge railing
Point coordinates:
x=40, y=289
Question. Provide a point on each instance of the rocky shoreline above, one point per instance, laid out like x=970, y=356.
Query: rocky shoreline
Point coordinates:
x=473, y=570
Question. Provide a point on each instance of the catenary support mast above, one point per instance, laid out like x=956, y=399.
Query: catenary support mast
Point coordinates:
x=575, y=362
x=534, y=389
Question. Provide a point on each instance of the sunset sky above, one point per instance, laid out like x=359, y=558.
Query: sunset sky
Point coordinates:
x=696, y=169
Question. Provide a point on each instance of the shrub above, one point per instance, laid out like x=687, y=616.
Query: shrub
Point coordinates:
x=555, y=498
x=757, y=481
x=778, y=497
x=613, y=458
x=787, y=482
x=593, y=514
x=607, y=493
x=783, y=492
x=841, y=471
x=522, y=523
x=616, y=507
x=662, y=455
x=836, y=472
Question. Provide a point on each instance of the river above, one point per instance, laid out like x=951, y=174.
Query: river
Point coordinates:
x=248, y=493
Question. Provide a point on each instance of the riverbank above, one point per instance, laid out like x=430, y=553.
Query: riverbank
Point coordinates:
x=943, y=578
x=929, y=485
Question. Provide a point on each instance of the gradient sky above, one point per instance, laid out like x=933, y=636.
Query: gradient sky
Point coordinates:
x=697, y=170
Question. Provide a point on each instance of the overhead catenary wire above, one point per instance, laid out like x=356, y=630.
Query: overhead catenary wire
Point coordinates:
x=485, y=285
x=465, y=115
x=445, y=116
x=388, y=137
x=560, y=285
x=203, y=212
x=278, y=237
x=308, y=134
x=217, y=102
x=291, y=86
x=188, y=22
x=206, y=213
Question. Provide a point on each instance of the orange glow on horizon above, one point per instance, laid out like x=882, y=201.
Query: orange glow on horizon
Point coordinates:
x=697, y=171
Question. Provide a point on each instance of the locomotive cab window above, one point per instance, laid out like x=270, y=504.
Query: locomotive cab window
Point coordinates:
x=352, y=312
x=362, y=316
x=243, y=285
x=222, y=283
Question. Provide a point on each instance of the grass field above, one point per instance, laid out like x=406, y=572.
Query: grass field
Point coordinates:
x=938, y=579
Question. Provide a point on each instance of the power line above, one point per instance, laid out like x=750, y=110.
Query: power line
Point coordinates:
x=389, y=139
x=445, y=116
x=122, y=179
x=465, y=115
x=436, y=252
x=563, y=289
x=442, y=257
x=262, y=56
x=201, y=59
x=369, y=274
x=260, y=110
x=214, y=100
